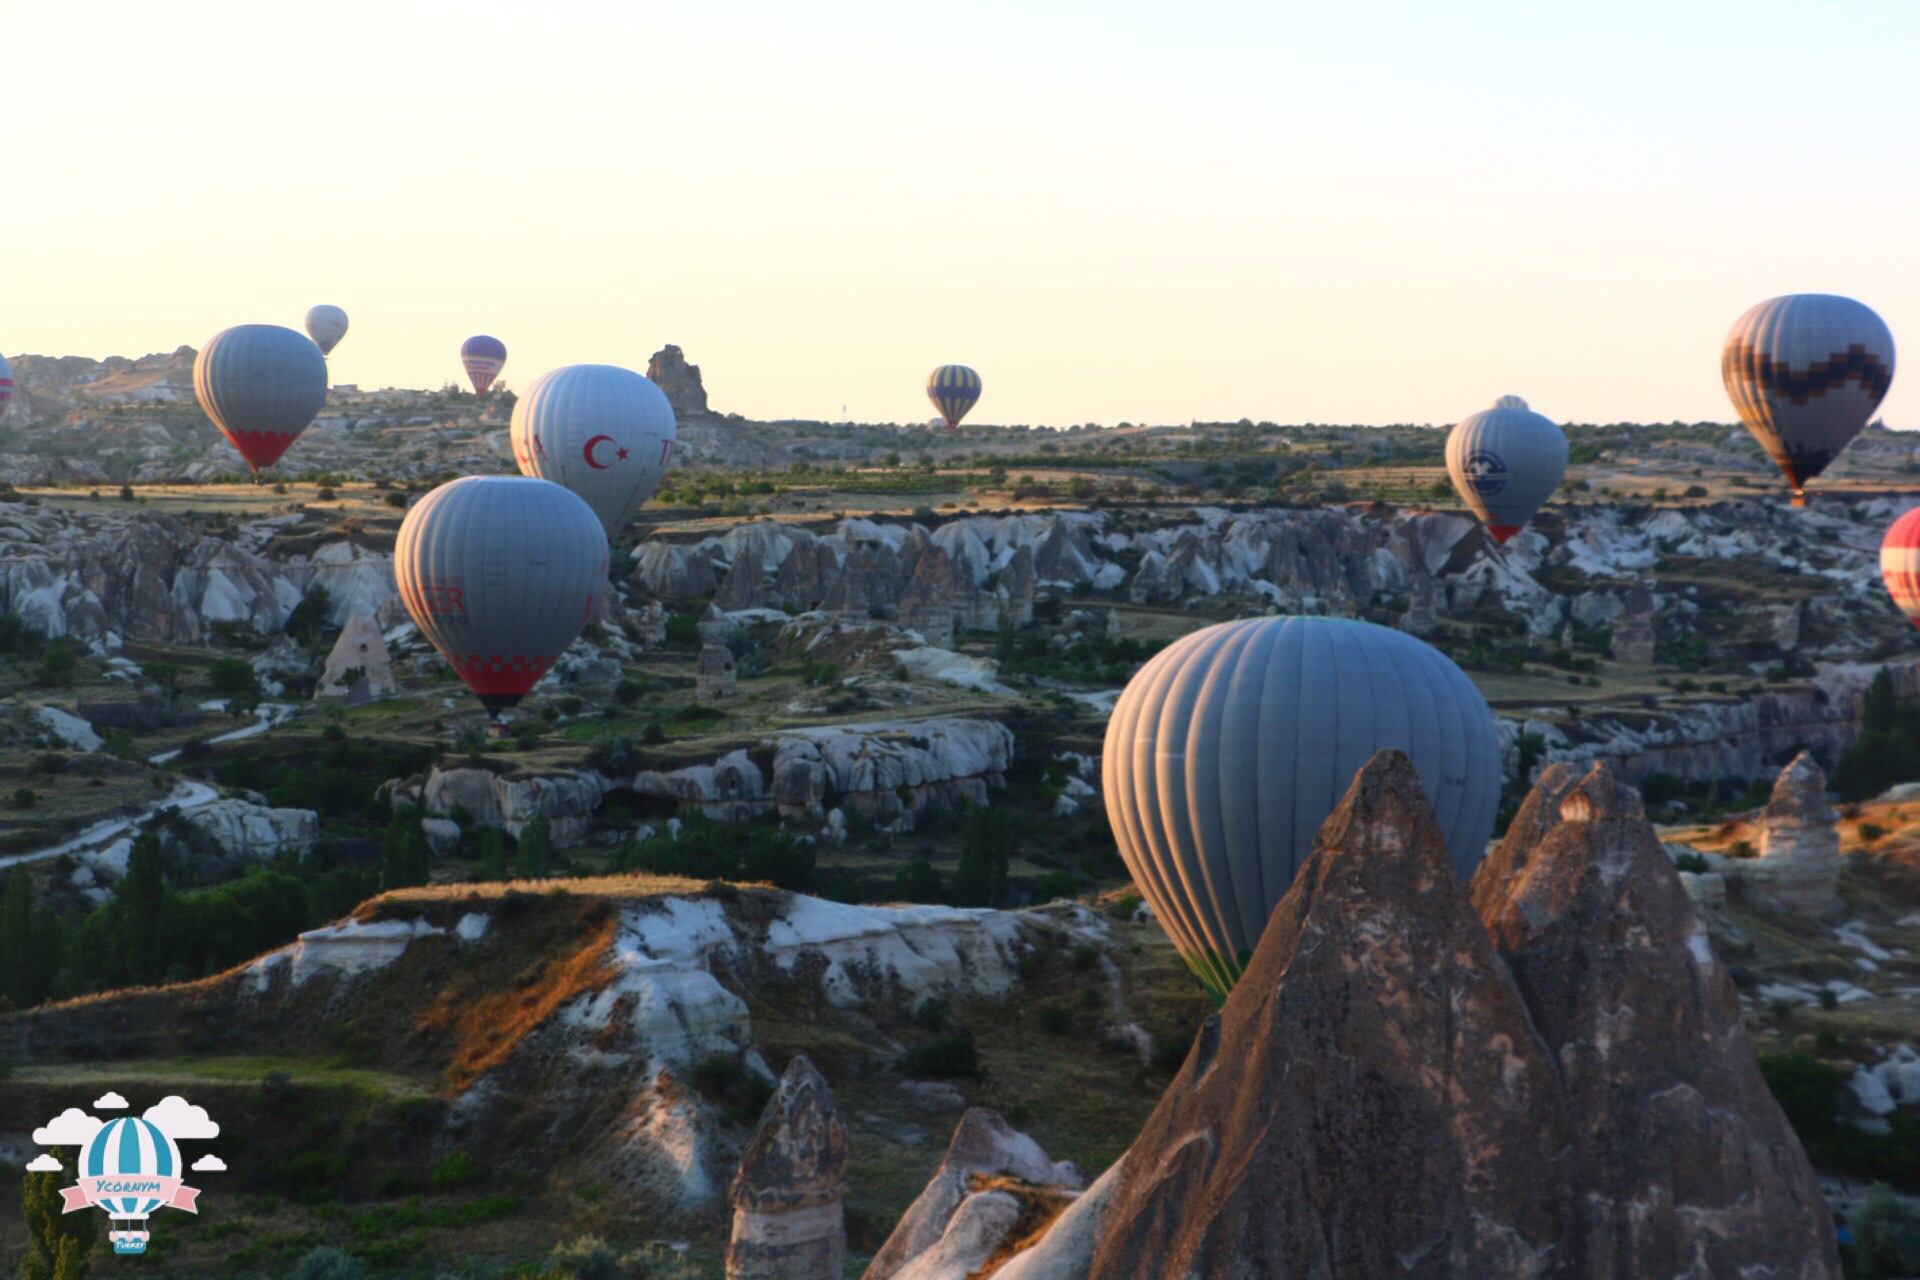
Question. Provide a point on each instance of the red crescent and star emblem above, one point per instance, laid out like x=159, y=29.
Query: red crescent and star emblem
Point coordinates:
x=588, y=453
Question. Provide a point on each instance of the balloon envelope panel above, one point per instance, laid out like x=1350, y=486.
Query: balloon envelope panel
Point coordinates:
x=500, y=573
x=483, y=358
x=1900, y=564
x=1806, y=372
x=326, y=325
x=604, y=432
x=130, y=1147
x=1506, y=462
x=954, y=389
x=262, y=385
x=6, y=385
x=1230, y=748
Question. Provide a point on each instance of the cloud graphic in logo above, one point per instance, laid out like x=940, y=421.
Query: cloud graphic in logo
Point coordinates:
x=43, y=1164
x=110, y=1101
x=209, y=1164
x=181, y=1120
x=71, y=1128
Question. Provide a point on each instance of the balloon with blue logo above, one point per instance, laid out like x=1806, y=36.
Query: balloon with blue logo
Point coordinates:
x=133, y=1151
x=1505, y=463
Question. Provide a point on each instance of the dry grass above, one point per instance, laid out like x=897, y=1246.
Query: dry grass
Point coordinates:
x=632, y=886
x=1039, y=1206
x=489, y=1025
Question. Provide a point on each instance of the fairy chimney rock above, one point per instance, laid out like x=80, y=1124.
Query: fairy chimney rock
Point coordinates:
x=1799, y=863
x=789, y=1222
x=715, y=676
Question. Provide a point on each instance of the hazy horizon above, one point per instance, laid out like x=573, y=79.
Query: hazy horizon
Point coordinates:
x=1374, y=214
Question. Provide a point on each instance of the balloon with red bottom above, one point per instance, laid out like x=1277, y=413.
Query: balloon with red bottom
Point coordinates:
x=501, y=573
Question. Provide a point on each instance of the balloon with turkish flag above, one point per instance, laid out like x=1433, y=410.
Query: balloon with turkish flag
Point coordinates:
x=604, y=432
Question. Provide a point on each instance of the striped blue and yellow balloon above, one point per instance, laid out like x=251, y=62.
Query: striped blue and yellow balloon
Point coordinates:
x=131, y=1147
x=954, y=389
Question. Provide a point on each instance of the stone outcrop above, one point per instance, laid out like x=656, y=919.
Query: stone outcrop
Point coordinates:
x=789, y=1222
x=1633, y=639
x=1681, y=1161
x=1799, y=862
x=669, y=370
x=890, y=772
x=1547, y=1078
x=508, y=804
x=974, y=1199
x=255, y=833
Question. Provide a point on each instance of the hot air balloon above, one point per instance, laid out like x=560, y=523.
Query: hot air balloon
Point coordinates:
x=484, y=358
x=953, y=388
x=261, y=385
x=6, y=385
x=1506, y=462
x=604, y=432
x=1806, y=372
x=135, y=1150
x=326, y=325
x=1231, y=746
x=500, y=573
x=1900, y=564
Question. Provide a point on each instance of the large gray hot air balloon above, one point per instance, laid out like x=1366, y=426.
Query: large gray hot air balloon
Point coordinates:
x=326, y=325
x=1230, y=748
x=604, y=432
x=261, y=385
x=1506, y=462
x=1805, y=372
x=500, y=573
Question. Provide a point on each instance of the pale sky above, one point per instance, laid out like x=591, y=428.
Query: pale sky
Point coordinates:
x=1358, y=211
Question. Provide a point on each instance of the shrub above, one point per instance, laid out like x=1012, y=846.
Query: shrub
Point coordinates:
x=126, y=493
x=327, y=1263
x=1807, y=1089
x=1124, y=906
x=25, y=798
x=652, y=734
x=395, y=499
x=1829, y=999
x=1692, y=862
x=919, y=881
x=585, y=1258
x=943, y=1057
x=1055, y=1020
x=455, y=1169
x=628, y=692
x=1871, y=831
x=1886, y=1237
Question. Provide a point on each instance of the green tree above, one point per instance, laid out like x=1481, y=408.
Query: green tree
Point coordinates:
x=534, y=858
x=58, y=663
x=309, y=617
x=143, y=892
x=919, y=881
x=493, y=855
x=1887, y=751
x=16, y=938
x=986, y=847
x=57, y=1243
x=406, y=859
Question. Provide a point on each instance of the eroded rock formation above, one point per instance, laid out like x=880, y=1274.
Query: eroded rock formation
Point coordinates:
x=670, y=372
x=1546, y=1079
x=789, y=1222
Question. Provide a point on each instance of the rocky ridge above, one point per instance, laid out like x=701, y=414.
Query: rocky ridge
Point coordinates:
x=1544, y=1075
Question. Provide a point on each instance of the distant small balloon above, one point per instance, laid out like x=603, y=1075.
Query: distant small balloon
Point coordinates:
x=1505, y=462
x=1900, y=564
x=1805, y=372
x=262, y=385
x=326, y=325
x=954, y=389
x=6, y=385
x=483, y=357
